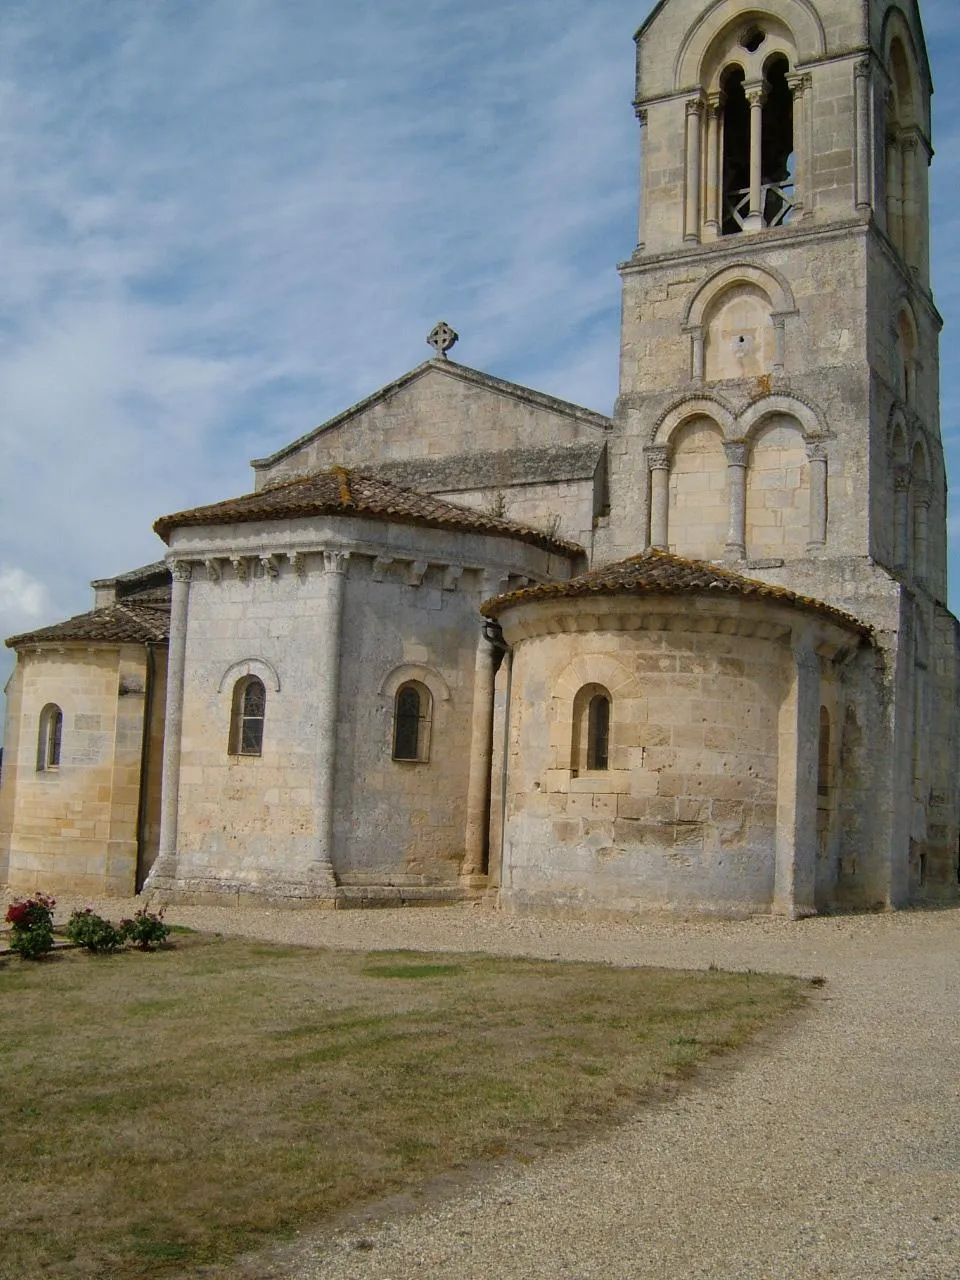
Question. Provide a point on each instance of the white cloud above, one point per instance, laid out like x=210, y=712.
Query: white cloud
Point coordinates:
x=23, y=600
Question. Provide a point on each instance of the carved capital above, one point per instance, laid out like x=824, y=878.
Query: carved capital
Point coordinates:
x=335, y=561
x=861, y=68
x=214, y=572
x=658, y=457
x=695, y=107
x=642, y=116
x=756, y=95
x=901, y=479
x=182, y=570
x=736, y=451
x=816, y=451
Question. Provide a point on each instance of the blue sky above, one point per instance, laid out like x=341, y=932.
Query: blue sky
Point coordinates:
x=223, y=221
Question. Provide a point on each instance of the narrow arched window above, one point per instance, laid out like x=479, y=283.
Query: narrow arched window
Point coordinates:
x=49, y=738
x=590, y=748
x=247, y=717
x=411, y=722
x=598, y=732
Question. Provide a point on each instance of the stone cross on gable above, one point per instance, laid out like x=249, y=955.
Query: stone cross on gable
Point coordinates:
x=441, y=337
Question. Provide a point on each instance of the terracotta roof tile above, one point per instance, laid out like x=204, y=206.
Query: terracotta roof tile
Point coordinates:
x=662, y=573
x=353, y=493
x=131, y=622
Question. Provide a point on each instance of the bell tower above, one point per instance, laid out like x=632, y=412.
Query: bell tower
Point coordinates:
x=779, y=367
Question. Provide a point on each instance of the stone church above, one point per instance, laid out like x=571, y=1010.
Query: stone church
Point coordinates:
x=466, y=639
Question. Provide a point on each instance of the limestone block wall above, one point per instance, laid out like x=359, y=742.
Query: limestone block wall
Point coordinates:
x=74, y=828
x=686, y=816
x=442, y=411
x=258, y=604
x=818, y=387
x=566, y=508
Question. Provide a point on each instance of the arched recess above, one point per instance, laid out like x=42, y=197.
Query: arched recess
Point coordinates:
x=590, y=729
x=777, y=489
x=797, y=19
x=735, y=320
x=699, y=496
x=415, y=672
x=908, y=149
x=601, y=675
x=908, y=349
x=266, y=671
x=675, y=418
x=809, y=419
x=900, y=479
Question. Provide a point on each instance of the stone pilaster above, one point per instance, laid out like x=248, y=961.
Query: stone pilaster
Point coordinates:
x=691, y=218
x=481, y=755
x=817, y=459
x=327, y=694
x=799, y=733
x=864, y=159
x=163, y=873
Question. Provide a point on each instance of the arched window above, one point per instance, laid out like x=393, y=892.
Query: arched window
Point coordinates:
x=247, y=716
x=758, y=158
x=49, y=738
x=591, y=729
x=906, y=358
x=412, y=714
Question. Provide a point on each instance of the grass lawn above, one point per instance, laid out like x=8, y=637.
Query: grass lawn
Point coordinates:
x=161, y=1113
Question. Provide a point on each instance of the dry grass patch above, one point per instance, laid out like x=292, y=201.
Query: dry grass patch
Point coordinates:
x=162, y=1113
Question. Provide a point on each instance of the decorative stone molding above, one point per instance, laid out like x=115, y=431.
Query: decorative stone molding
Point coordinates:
x=642, y=115
x=298, y=563
x=694, y=406
x=181, y=570
x=816, y=450
x=260, y=667
x=452, y=574
x=241, y=567
x=407, y=671
x=694, y=106
x=658, y=457
x=380, y=567
x=416, y=572
x=214, y=571
x=271, y=566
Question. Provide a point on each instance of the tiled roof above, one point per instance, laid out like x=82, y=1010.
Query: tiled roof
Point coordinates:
x=661, y=573
x=352, y=493
x=131, y=622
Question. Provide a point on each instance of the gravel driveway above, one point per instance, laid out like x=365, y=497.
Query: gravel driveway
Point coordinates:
x=833, y=1150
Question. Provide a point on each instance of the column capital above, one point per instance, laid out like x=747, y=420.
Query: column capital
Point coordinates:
x=716, y=102
x=694, y=106
x=862, y=68
x=335, y=561
x=901, y=479
x=181, y=570
x=658, y=457
x=816, y=451
x=921, y=493
x=736, y=452
x=756, y=95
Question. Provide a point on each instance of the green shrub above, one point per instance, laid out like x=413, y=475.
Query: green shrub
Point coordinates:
x=31, y=926
x=89, y=930
x=146, y=930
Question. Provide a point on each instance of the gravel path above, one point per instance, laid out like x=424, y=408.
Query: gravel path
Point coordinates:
x=833, y=1150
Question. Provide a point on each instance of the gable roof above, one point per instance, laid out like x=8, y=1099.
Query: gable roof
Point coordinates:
x=450, y=369
x=129, y=623
x=660, y=573
x=353, y=493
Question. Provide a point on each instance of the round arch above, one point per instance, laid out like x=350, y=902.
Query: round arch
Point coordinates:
x=773, y=285
x=756, y=414
x=250, y=667
x=417, y=672
x=798, y=16
x=711, y=407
